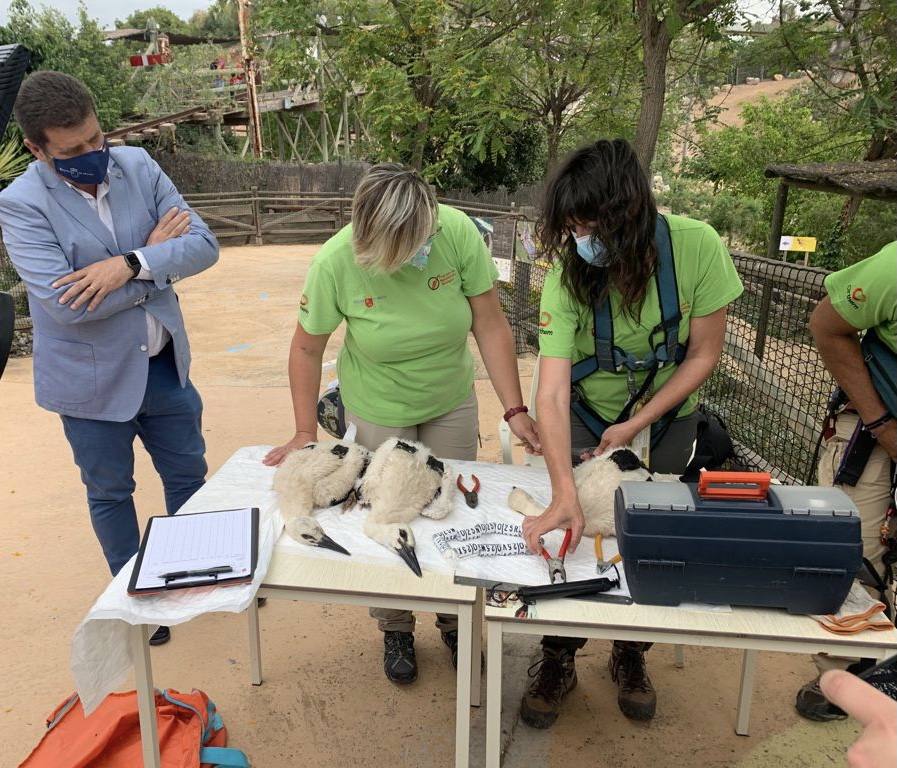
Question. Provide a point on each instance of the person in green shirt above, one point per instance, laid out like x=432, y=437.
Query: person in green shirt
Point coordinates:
x=601, y=227
x=410, y=279
x=860, y=297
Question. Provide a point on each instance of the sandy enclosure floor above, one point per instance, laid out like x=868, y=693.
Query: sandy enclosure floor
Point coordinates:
x=325, y=701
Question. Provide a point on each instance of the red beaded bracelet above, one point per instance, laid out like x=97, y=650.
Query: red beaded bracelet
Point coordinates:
x=512, y=412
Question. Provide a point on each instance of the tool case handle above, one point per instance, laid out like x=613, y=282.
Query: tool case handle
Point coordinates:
x=734, y=486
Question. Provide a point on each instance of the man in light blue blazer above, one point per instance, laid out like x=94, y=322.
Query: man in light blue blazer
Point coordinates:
x=100, y=236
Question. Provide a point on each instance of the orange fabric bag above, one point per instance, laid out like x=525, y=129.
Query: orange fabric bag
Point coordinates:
x=110, y=738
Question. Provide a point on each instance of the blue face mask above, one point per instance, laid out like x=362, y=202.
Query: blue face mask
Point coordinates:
x=591, y=250
x=89, y=168
x=422, y=257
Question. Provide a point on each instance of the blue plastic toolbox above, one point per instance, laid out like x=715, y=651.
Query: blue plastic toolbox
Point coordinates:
x=735, y=540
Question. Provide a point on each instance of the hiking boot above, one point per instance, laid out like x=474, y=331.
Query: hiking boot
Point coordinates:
x=161, y=636
x=636, y=697
x=450, y=638
x=812, y=704
x=399, y=661
x=554, y=676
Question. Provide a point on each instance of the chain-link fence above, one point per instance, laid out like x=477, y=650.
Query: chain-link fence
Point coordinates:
x=10, y=283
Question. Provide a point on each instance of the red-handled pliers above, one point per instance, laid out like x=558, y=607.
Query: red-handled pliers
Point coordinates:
x=556, y=571
x=471, y=497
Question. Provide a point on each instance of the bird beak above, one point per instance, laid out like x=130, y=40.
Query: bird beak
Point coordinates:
x=327, y=543
x=407, y=553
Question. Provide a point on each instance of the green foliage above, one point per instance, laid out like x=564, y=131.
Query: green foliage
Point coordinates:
x=78, y=50
x=218, y=21
x=165, y=19
x=13, y=161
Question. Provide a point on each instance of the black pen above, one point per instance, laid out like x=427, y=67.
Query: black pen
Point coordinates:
x=193, y=574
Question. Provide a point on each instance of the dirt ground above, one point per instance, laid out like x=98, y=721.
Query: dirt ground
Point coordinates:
x=325, y=701
x=732, y=98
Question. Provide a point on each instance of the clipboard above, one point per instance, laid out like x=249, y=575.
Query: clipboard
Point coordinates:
x=196, y=542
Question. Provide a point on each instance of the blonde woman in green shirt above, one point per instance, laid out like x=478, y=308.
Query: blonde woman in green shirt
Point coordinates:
x=616, y=259
x=410, y=278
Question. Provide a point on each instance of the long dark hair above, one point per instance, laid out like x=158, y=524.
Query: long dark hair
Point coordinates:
x=602, y=182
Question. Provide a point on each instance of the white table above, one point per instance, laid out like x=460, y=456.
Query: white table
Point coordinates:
x=294, y=577
x=747, y=628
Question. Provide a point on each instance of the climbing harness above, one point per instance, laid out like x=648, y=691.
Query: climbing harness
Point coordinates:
x=612, y=359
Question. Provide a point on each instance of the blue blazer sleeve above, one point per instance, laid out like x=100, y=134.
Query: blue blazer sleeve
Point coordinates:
x=181, y=256
x=37, y=257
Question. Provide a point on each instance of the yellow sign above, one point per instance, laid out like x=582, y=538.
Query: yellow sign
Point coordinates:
x=804, y=244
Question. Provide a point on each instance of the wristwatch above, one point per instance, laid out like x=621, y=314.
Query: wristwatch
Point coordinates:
x=133, y=262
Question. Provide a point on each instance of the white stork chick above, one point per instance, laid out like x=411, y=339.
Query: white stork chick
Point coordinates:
x=403, y=481
x=597, y=480
x=319, y=475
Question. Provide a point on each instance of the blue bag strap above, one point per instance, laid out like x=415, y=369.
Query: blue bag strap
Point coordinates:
x=223, y=757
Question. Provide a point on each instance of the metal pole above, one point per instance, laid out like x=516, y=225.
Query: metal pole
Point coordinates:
x=778, y=219
x=255, y=125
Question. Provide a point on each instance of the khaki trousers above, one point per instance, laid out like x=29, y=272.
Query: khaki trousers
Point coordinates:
x=450, y=436
x=870, y=495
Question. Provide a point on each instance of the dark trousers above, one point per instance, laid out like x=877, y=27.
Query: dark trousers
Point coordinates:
x=169, y=424
x=670, y=456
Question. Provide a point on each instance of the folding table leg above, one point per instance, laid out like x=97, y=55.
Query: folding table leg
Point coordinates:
x=748, y=668
x=255, y=645
x=462, y=706
x=476, y=650
x=146, y=695
x=493, y=693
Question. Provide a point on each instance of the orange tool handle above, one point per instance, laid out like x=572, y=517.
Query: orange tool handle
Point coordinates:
x=752, y=486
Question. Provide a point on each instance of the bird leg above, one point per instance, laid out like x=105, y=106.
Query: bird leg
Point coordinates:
x=520, y=501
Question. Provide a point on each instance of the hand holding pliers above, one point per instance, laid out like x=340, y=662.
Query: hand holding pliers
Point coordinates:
x=556, y=570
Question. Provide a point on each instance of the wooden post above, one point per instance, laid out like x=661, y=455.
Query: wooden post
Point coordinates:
x=255, y=124
x=778, y=219
x=341, y=209
x=346, y=132
x=763, y=318
x=325, y=149
x=256, y=215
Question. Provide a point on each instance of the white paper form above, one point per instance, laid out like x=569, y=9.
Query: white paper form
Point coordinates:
x=194, y=542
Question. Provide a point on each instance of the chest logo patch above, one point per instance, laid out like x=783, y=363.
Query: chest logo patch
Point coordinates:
x=437, y=281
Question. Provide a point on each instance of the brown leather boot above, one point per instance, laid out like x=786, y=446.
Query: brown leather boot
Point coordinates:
x=554, y=676
x=636, y=697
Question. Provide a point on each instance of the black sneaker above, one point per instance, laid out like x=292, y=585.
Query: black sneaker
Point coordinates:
x=399, y=661
x=161, y=636
x=812, y=704
x=450, y=638
x=554, y=676
x=636, y=696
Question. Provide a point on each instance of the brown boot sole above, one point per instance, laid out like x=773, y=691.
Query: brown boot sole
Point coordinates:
x=640, y=712
x=539, y=718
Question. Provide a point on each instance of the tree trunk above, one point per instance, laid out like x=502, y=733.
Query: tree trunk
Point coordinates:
x=656, y=40
x=880, y=148
x=552, y=142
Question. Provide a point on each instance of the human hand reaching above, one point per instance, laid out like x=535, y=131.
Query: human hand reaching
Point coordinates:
x=564, y=513
x=276, y=455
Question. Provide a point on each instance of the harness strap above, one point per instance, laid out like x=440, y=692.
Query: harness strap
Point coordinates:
x=610, y=358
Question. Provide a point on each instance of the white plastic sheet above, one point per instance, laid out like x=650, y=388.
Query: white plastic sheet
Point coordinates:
x=496, y=482
x=101, y=658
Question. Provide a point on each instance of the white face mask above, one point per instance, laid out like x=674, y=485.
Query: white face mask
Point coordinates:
x=591, y=250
